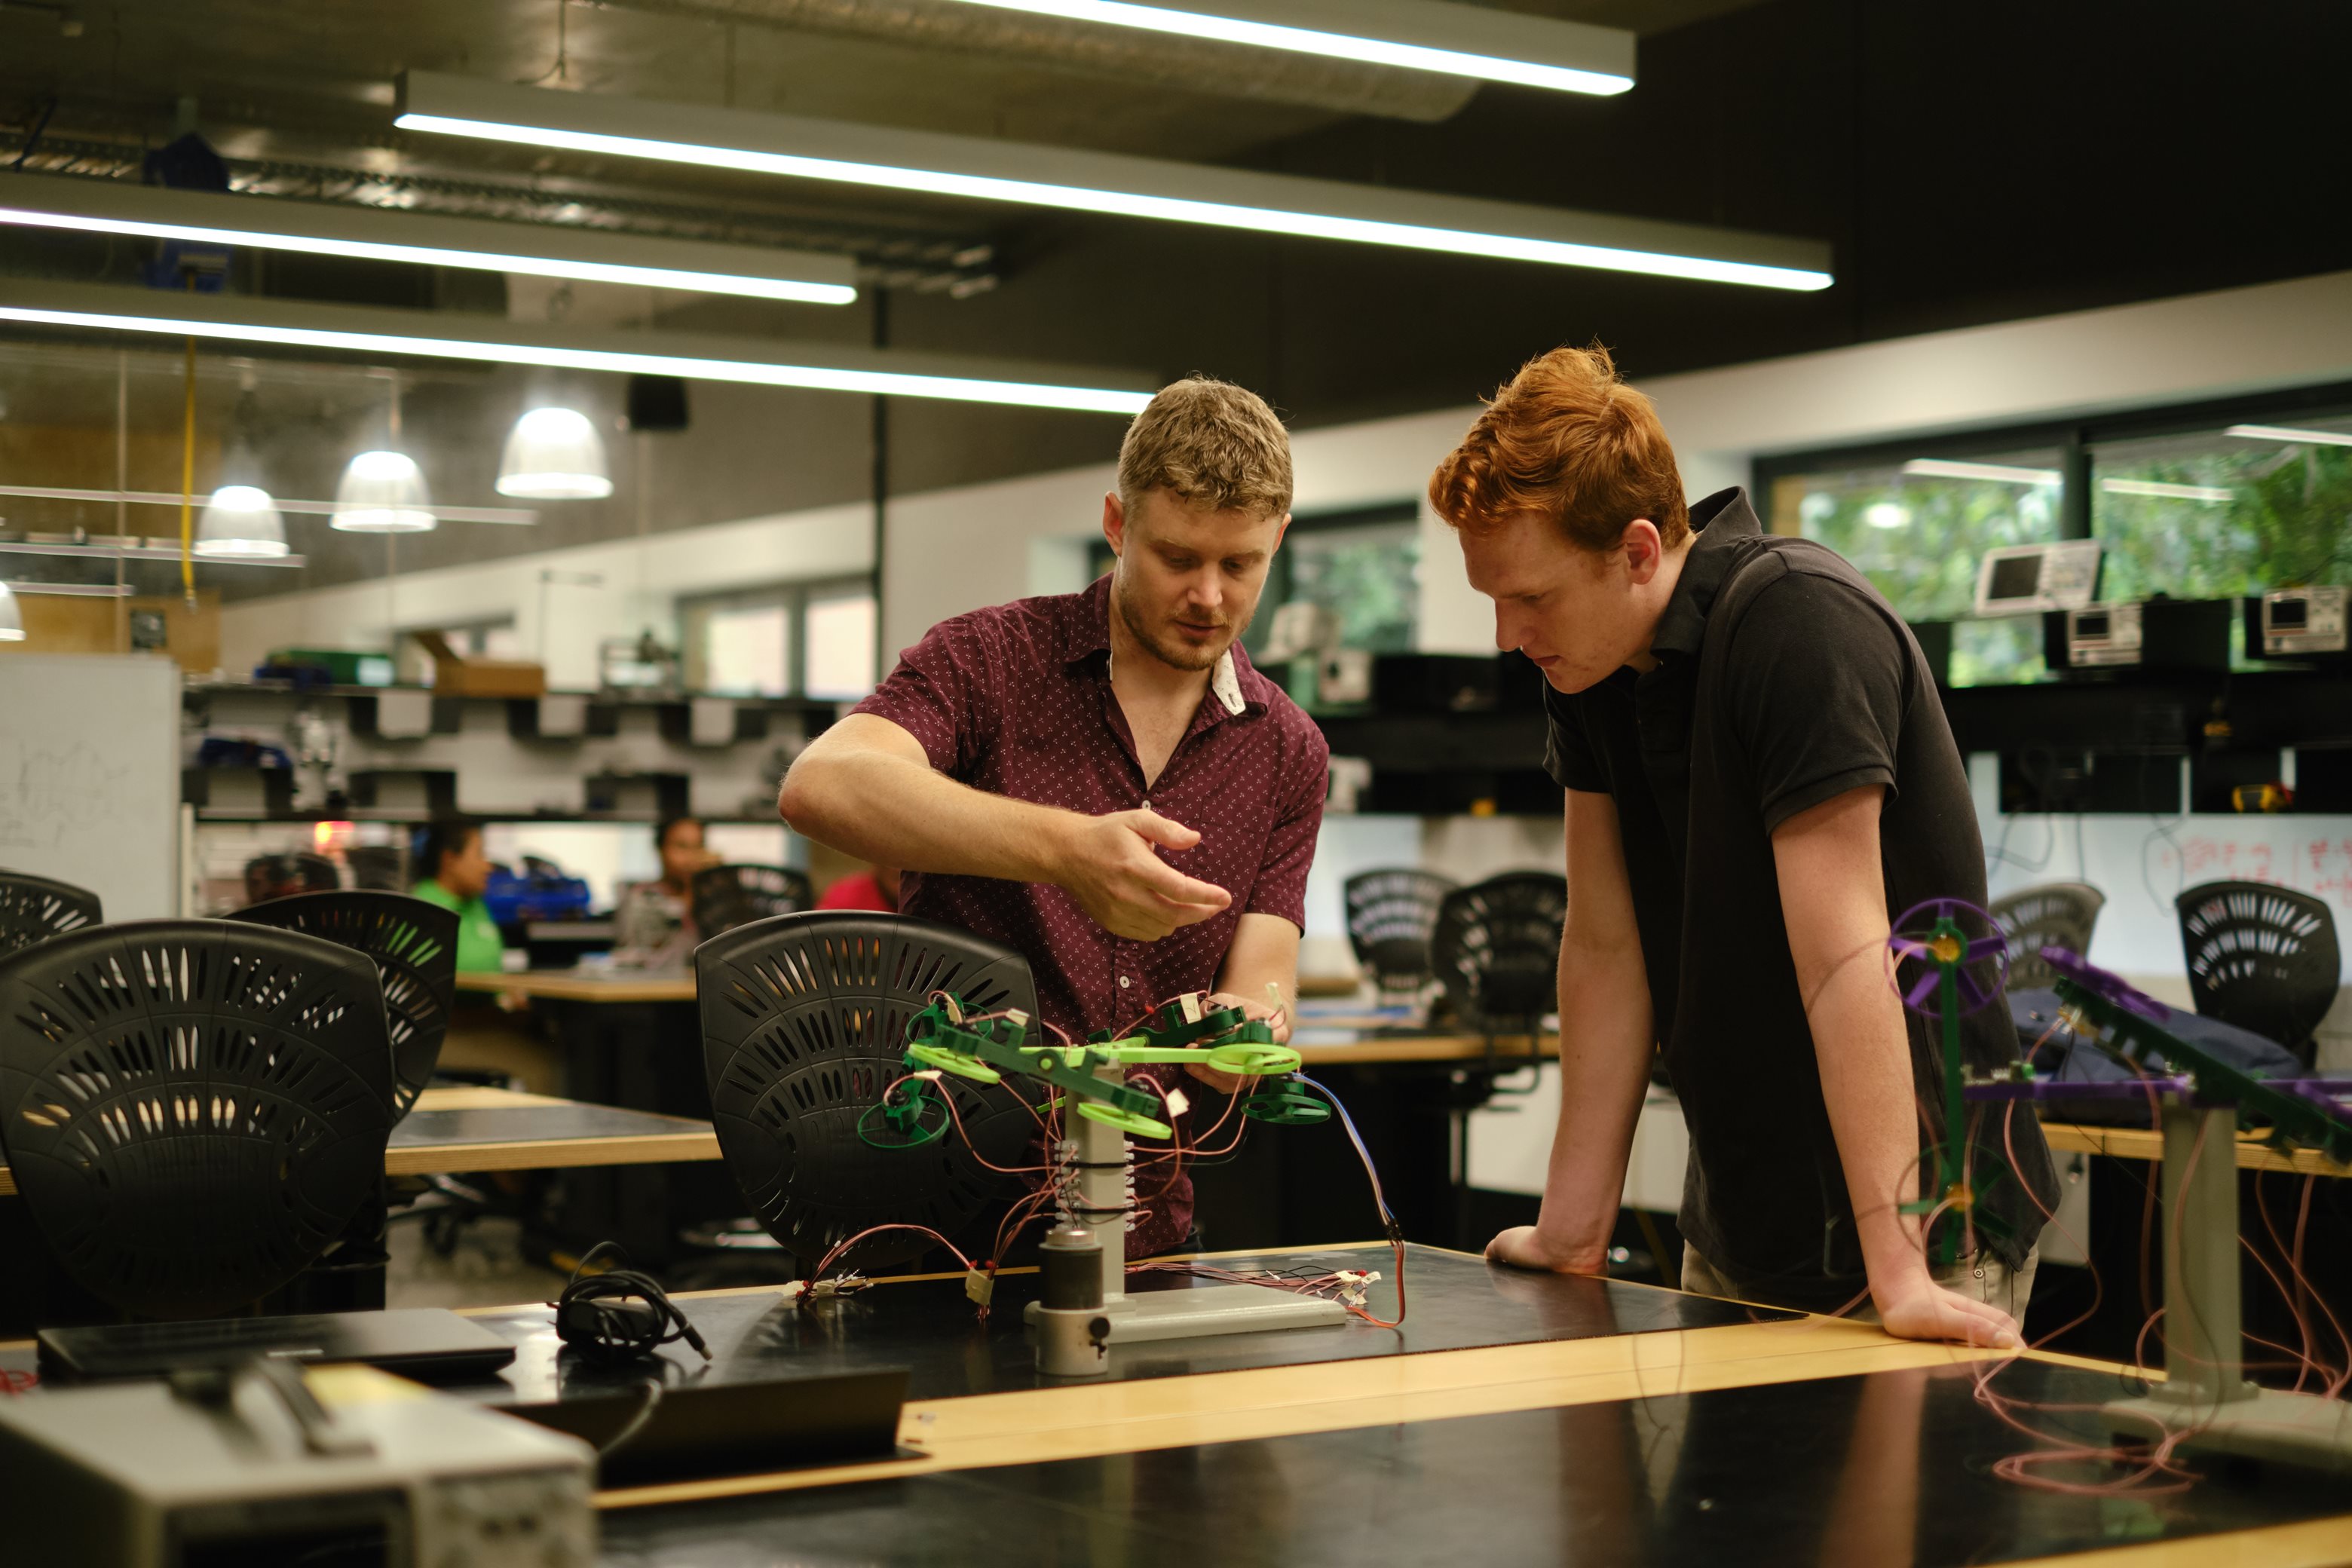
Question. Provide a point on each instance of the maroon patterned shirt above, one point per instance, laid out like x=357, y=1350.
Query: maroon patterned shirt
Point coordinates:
x=1016, y=701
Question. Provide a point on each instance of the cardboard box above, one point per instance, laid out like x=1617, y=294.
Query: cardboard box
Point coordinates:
x=461, y=675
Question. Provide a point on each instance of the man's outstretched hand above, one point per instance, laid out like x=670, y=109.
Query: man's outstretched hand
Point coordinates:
x=1112, y=867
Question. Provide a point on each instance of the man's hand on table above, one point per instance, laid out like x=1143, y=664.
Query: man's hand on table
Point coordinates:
x=1109, y=864
x=1524, y=1247
x=1917, y=1308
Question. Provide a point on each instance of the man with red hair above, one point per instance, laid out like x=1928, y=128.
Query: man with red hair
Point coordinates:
x=1758, y=777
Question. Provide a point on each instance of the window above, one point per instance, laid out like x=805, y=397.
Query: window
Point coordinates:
x=1918, y=527
x=2222, y=512
x=1363, y=565
x=746, y=651
x=2213, y=501
x=841, y=637
x=811, y=639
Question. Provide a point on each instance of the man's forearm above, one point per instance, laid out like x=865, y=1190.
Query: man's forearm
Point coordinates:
x=1604, y=1071
x=1865, y=1055
x=896, y=812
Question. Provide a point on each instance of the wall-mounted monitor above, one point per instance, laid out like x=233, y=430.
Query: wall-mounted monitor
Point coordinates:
x=2028, y=579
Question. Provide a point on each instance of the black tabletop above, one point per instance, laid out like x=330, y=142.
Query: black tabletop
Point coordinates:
x=929, y=1327
x=1893, y=1469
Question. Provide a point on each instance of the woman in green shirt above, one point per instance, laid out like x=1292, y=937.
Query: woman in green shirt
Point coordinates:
x=455, y=873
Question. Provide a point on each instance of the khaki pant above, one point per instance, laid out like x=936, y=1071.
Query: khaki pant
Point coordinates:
x=1982, y=1279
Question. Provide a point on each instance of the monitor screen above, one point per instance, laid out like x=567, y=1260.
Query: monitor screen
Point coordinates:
x=2290, y=614
x=2017, y=578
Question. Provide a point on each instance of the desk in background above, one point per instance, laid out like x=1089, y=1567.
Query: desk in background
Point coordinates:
x=460, y=1130
x=632, y=1039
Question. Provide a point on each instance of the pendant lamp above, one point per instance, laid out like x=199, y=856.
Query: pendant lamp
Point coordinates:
x=554, y=454
x=240, y=520
x=382, y=492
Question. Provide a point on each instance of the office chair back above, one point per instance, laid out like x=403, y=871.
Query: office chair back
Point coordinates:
x=2264, y=958
x=1497, y=948
x=380, y=867
x=193, y=1110
x=278, y=875
x=2056, y=914
x=803, y=1023
x=414, y=945
x=726, y=896
x=34, y=909
x=1391, y=914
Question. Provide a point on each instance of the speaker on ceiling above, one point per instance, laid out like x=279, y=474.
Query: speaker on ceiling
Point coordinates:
x=656, y=403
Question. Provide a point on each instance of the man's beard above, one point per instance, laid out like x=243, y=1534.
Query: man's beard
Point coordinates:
x=1167, y=651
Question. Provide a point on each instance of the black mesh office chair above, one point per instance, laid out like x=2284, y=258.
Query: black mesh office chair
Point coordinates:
x=34, y=909
x=279, y=876
x=2056, y=914
x=1391, y=914
x=193, y=1110
x=803, y=1022
x=2262, y=957
x=1496, y=947
x=726, y=896
x=414, y=945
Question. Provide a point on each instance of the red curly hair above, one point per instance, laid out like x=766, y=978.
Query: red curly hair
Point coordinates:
x=1570, y=440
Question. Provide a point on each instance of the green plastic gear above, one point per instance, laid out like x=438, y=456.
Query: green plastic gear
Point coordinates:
x=956, y=1062
x=907, y=1118
x=1285, y=1105
x=1135, y=1124
x=1253, y=1059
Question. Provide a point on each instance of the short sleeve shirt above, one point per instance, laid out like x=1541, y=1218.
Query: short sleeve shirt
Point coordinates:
x=1783, y=680
x=1016, y=701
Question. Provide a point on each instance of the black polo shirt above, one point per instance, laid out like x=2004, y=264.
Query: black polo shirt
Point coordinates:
x=1783, y=680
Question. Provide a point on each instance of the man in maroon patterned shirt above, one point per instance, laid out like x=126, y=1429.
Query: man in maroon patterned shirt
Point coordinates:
x=1100, y=780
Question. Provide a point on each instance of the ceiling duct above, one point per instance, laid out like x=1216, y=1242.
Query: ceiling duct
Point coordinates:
x=1229, y=71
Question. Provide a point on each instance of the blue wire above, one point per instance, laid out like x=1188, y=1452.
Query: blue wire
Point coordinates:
x=1356, y=1138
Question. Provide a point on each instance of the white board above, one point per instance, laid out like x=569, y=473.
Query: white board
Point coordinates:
x=89, y=776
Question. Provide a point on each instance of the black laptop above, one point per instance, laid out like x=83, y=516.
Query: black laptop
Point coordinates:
x=427, y=1343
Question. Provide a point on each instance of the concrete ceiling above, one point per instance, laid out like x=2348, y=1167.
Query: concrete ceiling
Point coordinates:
x=1958, y=177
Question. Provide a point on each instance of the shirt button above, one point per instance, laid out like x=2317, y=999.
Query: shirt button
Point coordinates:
x=1124, y=983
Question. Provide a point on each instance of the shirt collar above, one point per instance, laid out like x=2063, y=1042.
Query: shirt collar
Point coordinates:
x=1235, y=683
x=1721, y=527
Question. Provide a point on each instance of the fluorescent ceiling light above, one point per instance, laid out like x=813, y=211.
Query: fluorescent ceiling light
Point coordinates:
x=366, y=330
x=2286, y=433
x=1993, y=473
x=1412, y=35
x=426, y=239
x=1079, y=181
x=2169, y=492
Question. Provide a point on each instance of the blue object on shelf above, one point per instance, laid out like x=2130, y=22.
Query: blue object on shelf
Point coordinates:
x=225, y=752
x=542, y=893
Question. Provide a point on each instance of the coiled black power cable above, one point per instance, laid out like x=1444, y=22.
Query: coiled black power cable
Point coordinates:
x=621, y=1315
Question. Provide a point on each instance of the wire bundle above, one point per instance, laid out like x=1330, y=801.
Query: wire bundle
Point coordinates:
x=621, y=1315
